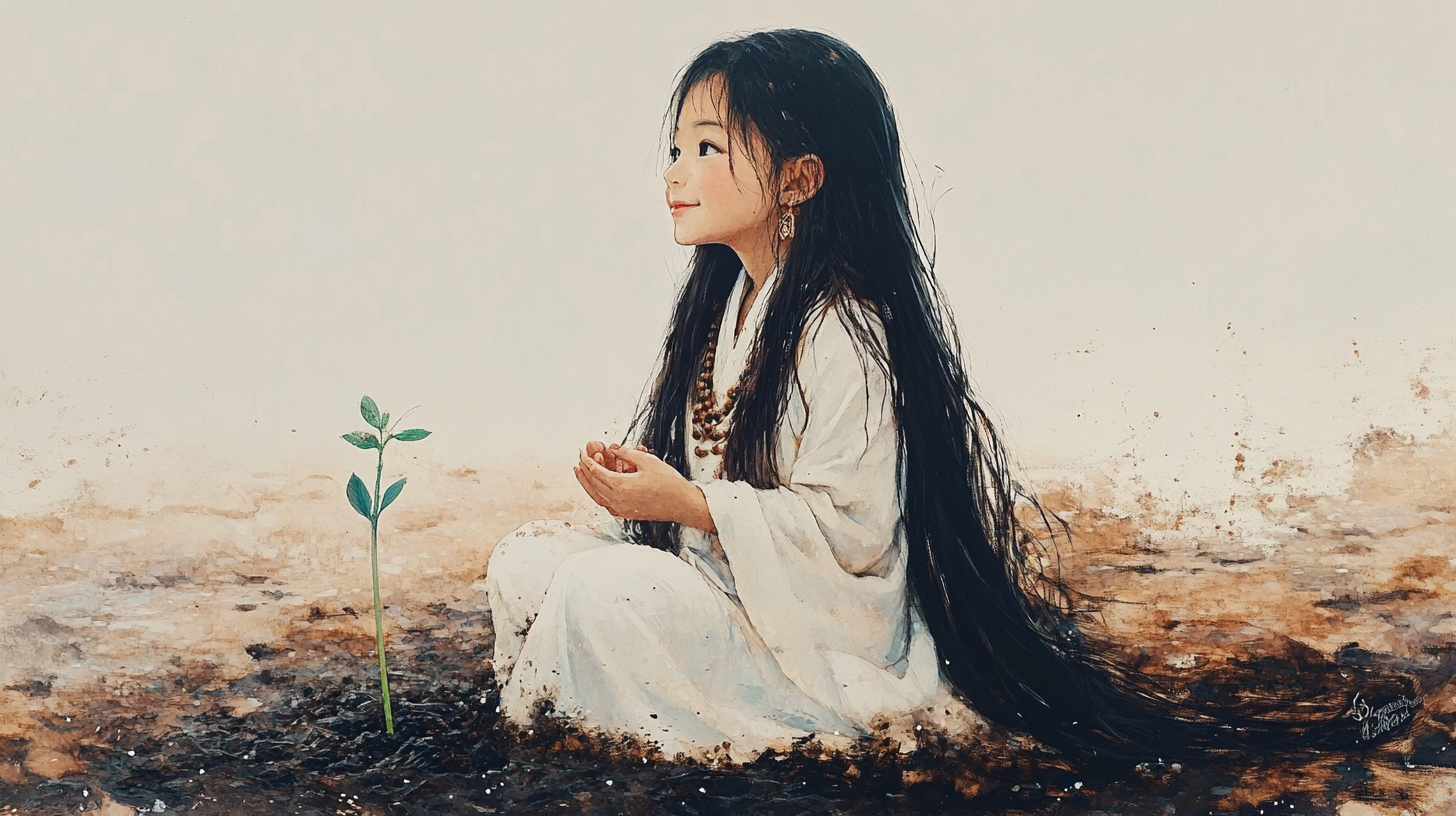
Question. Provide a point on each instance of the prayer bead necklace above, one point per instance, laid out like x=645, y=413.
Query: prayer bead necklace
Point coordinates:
x=707, y=416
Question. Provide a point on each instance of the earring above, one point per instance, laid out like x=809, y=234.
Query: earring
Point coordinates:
x=786, y=225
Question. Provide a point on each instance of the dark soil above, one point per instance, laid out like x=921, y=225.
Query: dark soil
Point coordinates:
x=316, y=746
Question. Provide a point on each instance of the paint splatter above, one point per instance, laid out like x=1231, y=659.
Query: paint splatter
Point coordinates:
x=214, y=650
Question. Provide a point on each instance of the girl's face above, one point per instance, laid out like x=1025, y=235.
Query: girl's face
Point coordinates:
x=711, y=204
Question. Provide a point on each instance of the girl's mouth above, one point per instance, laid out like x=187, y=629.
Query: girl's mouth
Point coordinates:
x=679, y=206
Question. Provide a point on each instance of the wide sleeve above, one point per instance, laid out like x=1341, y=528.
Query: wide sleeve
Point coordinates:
x=817, y=562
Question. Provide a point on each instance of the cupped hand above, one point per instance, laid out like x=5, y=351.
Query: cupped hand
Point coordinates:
x=606, y=456
x=652, y=490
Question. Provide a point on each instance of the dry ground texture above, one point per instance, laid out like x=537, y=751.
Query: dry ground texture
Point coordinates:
x=217, y=655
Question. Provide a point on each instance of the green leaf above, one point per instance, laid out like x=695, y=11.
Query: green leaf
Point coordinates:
x=384, y=420
x=411, y=435
x=391, y=494
x=366, y=441
x=358, y=495
x=370, y=411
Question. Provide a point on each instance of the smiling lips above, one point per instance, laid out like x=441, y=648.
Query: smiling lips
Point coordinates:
x=679, y=206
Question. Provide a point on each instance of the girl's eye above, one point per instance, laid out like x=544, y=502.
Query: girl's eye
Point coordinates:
x=704, y=149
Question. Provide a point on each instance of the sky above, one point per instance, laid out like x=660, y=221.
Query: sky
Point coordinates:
x=1158, y=225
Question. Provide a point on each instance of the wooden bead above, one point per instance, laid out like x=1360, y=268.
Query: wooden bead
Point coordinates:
x=706, y=412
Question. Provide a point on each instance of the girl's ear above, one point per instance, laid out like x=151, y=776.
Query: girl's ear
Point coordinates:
x=801, y=178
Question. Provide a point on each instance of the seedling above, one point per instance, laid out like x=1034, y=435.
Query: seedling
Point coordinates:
x=370, y=508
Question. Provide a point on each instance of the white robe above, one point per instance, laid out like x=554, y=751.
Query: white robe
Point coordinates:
x=793, y=619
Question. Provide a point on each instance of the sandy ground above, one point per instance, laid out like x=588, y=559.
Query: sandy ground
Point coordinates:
x=109, y=605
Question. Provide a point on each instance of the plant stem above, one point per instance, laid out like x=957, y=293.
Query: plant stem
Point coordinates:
x=378, y=606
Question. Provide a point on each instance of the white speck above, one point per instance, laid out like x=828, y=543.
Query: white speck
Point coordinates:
x=609, y=782
x=86, y=792
x=68, y=719
x=200, y=772
x=917, y=728
x=406, y=781
x=1078, y=786
x=836, y=733
x=1341, y=569
x=158, y=806
x=131, y=753
x=702, y=790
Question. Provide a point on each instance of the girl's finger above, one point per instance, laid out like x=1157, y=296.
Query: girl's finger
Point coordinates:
x=581, y=480
x=604, y=474
x=592, y=489
x=589, y=464
x=597, y=475
x=637, y=458
x=598, y=493
x=584, y=472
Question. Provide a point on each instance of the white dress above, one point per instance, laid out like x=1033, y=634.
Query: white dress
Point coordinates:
x=793, y=619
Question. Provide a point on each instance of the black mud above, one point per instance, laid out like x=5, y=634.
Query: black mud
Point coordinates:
x=312, y=743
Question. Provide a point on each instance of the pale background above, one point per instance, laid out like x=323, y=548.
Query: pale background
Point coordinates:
x=1159, y=225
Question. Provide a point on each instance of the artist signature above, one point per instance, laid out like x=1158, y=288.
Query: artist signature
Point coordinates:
x=1382, y=720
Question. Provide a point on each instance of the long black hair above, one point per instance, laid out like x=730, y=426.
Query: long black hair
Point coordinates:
x=1008, y=644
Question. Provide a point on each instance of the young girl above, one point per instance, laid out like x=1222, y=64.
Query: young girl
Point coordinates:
x=828, y=514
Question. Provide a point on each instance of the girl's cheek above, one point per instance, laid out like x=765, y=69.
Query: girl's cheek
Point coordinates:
x=714, y=183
